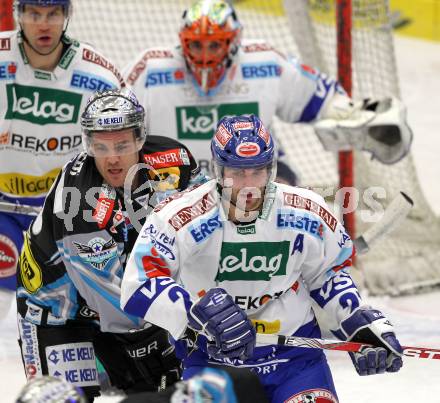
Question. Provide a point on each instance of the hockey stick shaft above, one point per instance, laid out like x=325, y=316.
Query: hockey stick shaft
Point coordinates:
x=325, y=344
x=393, y=216
x=6, y=207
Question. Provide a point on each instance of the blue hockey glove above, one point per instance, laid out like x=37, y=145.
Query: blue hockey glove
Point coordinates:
x=228, y=329
x=372, y=327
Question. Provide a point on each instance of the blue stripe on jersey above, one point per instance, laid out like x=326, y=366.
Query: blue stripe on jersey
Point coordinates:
x=141, y=300
x=324, y=86
x=344, y=254
x=138, y=255
x=110, y=298
x=31, y=201
x=137, y=304
x=43, y=296
x=337, y=286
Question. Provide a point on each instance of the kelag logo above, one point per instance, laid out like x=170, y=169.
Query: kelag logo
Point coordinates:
x=199, y=122
x=253, y=260
x=42, y=105
x=260, y=70
x=164, y=77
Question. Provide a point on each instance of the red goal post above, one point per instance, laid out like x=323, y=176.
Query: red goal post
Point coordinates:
x=6, y=15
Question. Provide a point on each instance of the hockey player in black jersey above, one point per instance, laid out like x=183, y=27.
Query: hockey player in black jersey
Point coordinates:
x=74, y=254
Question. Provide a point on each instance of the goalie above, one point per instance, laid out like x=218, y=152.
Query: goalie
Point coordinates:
x=214, y=73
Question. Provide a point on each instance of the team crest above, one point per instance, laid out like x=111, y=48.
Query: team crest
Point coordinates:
x=97, y=252
x=313, y=396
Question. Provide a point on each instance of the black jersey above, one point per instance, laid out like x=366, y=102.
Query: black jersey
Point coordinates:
x=75, y=251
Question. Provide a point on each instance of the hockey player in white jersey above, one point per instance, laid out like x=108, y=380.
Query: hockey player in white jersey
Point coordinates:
x=213, y=73
x=242, y=254
x=45, y=80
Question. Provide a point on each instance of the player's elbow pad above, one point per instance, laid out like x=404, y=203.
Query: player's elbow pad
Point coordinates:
x=378, y=127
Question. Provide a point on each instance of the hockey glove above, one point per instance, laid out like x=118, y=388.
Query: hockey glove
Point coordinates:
x=229, y=331
x=370, y=326
x=154, y=356
x=376, y=126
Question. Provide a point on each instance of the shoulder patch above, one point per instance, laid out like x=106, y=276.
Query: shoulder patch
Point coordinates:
x=188, y=214
x=105, y=205
x=175, y=196
x=257, y=47
x=92, y=57
x=142, y=64
x=5, y=44
x=303, y=203
x=168, y=158
x=262, y=47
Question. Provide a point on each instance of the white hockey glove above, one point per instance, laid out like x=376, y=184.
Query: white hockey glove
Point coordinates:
x=376, y=126
x=370, y=326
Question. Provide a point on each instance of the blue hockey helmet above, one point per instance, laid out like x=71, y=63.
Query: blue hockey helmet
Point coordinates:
x=242, y=142
x=66, y=4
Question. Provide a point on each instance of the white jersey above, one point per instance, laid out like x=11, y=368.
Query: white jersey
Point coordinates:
x=294, y=252
x=40, y=112
x=260, y=81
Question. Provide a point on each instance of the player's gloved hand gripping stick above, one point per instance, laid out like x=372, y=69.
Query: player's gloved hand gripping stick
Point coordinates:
x=229, y=332
x=350, y=346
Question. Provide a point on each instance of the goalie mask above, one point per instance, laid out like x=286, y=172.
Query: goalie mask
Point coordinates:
x=110, y=112
x=210, y=36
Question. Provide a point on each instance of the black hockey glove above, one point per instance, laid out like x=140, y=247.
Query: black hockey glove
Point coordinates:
x=154, y=356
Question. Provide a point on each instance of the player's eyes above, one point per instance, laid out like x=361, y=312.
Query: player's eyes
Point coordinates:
x=195, y=46
x=120, y=148
x=99, y=147
x=214, y=46
x=35, y=16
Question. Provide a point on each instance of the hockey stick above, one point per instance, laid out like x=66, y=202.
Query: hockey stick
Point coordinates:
x=393, y=216
x=6, y=207
x=326, y=344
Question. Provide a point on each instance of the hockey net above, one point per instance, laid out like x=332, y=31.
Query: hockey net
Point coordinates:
x=407, y=260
